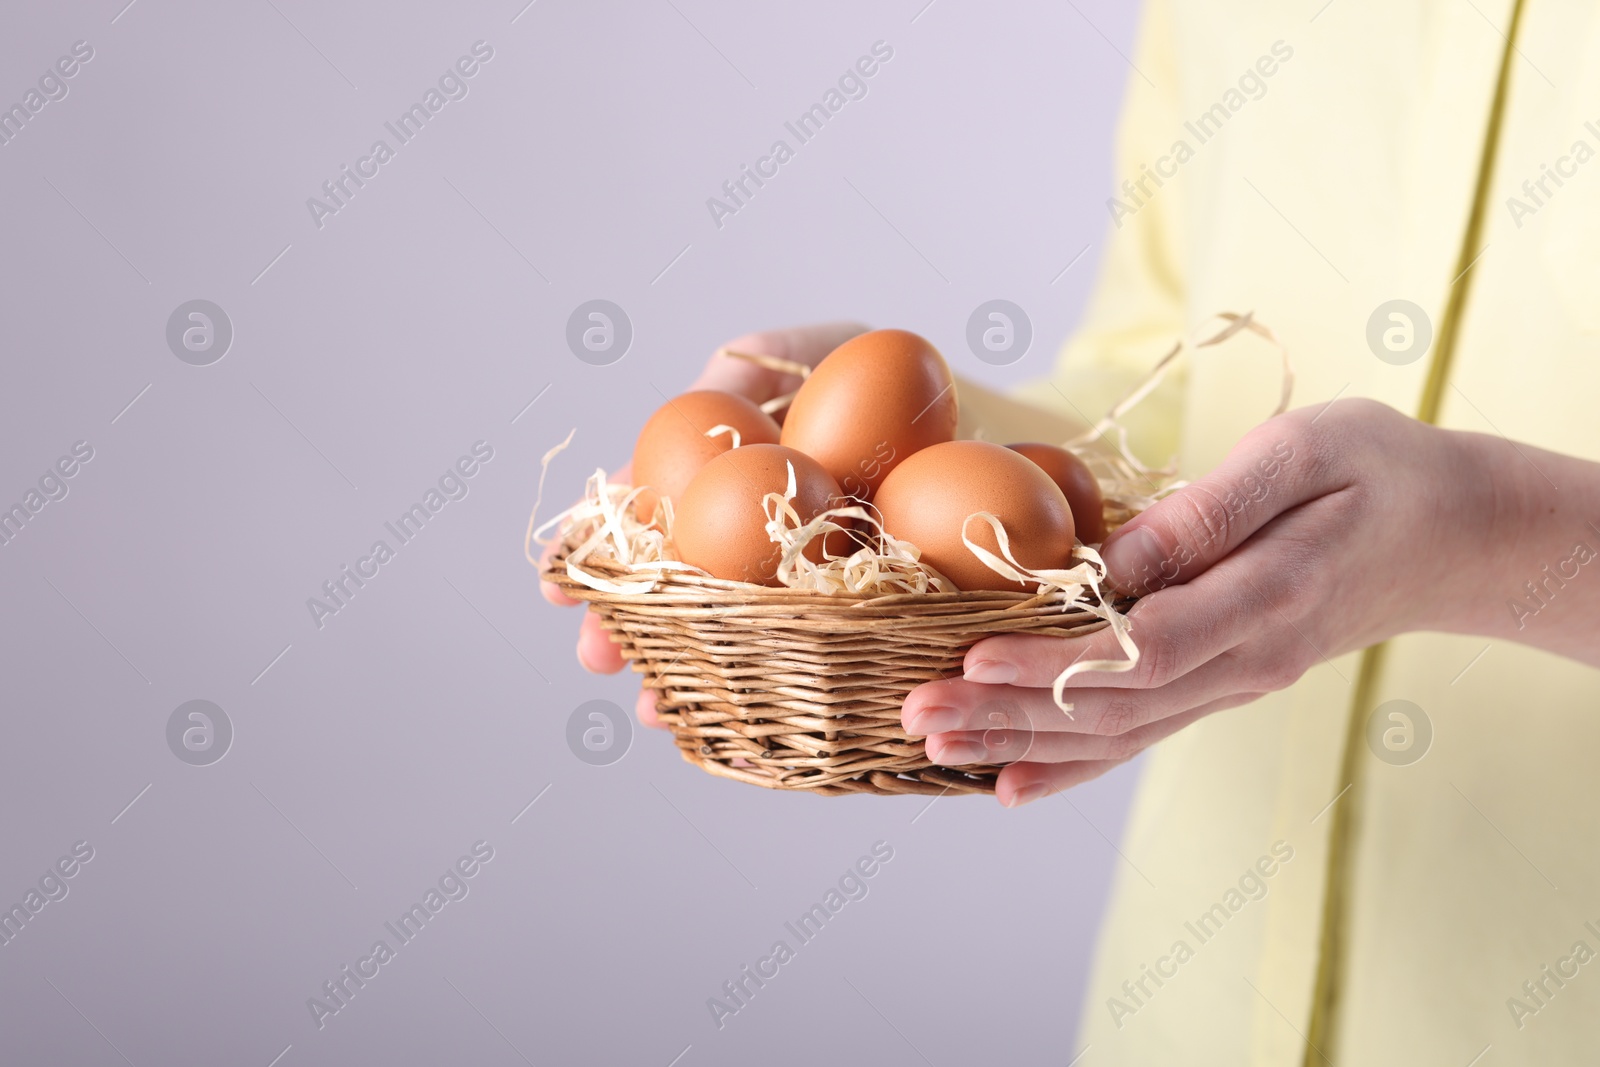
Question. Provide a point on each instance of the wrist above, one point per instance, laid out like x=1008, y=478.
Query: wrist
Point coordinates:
x=1495, y=530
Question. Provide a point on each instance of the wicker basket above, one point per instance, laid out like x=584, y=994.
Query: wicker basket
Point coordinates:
x=791, y=689
x=802, y=690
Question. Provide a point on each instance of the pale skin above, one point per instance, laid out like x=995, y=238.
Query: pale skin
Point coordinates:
x=1325, y=530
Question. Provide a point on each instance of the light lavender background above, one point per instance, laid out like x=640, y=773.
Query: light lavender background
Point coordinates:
x=427, y=714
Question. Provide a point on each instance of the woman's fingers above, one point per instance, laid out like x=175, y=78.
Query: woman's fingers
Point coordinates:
x=1277, y=466
x=1257, y=592
x=645, y=708
x=1019, y=746
x=1175, y=629
x=1022, y=783
x=956, y=705
x=597, y=652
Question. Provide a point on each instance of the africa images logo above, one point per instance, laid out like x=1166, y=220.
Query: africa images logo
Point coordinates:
x=52, y=87
x=453, y=885
x=453, y=485
x=452, y=85
x=852, y=885
x=1252, y=85
x=52, y=887
x=52, y=487
x=852, y=85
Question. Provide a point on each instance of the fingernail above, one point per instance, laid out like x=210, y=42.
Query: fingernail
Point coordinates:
x=1028, y=794
x=955, y=753
x=1134, y=560
x=991, y=672
x=935, y=720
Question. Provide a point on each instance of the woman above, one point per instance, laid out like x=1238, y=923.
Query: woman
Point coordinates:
x=1405, y=196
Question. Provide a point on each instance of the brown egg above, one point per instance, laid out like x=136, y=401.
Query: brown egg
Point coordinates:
x=720, y=523
x=926, y=498
x=1078, y=483
x=673, y=445
x=875, y=400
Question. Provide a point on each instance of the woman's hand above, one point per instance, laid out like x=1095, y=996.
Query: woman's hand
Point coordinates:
x=1325, y=530
x=802, y=344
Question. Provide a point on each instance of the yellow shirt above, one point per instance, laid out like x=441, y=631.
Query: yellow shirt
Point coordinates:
x=1331, y=168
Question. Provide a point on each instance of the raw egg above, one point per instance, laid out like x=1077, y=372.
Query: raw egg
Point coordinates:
x=1077, y=483
x=876, y=399
x=673, y=445
x=929, y=495
x=720, y=524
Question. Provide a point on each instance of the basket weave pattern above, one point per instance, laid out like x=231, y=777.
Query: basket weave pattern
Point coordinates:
x=790, y=689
